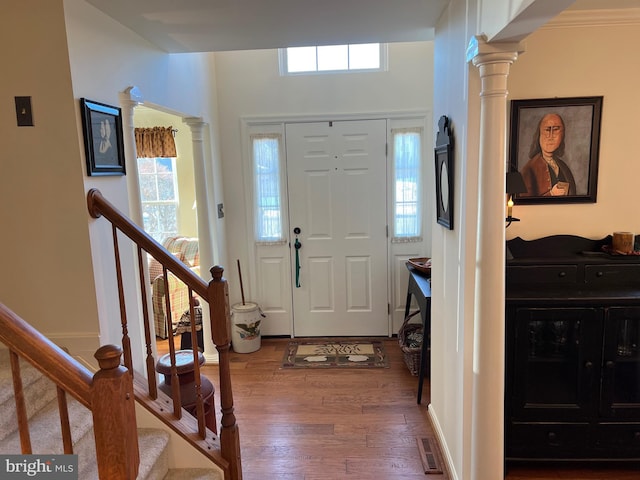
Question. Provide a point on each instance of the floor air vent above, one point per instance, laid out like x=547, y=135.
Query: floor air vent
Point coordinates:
x=429, y=455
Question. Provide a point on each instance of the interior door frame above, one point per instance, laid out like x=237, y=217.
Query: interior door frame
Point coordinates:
x=396, y=286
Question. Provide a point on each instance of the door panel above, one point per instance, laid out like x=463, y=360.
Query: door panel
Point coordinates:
x=337, y=197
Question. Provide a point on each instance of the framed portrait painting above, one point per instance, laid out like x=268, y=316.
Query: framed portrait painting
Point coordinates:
x=103, y=144
x=554, y=144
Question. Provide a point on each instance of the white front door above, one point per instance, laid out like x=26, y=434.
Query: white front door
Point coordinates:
x=337, y=198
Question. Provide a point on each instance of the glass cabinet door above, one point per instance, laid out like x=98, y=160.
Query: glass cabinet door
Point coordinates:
x=557, y=362
x=621, y=363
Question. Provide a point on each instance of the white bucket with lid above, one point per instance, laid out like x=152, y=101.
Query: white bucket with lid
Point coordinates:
x=245, y=327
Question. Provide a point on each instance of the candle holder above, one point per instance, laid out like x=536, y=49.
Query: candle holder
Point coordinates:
x=515, y=184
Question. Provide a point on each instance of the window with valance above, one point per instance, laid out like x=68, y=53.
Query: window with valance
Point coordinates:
x=157, y=175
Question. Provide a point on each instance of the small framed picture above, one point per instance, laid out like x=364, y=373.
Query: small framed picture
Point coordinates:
x=444, y=174
x=103, y=144
x=555, y=145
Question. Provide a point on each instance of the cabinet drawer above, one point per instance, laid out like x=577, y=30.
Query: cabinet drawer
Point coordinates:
x=558, y=274
x=550, y=440
x=612, y=274
x=620, y=440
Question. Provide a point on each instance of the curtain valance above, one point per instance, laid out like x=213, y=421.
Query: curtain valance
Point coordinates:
x=155, y=142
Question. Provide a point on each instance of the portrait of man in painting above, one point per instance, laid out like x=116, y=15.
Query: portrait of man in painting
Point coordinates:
x=554, y=146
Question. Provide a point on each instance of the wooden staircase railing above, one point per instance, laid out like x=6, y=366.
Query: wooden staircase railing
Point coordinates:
x=115, y=429
x=225, y=450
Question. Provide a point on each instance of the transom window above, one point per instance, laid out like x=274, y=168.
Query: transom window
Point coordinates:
x=332, y=58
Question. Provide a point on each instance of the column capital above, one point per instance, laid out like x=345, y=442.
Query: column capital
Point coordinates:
x=132, y=96
x=196, y=124
x=481, y=52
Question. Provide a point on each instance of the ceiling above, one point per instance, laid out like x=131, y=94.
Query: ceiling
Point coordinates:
x=219, y=25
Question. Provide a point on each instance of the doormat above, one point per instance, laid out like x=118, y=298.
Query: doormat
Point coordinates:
x=331, y=353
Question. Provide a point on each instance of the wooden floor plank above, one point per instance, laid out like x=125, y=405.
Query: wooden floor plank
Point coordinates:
x=328, y=424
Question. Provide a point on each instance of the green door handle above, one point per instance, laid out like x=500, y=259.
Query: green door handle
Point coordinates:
x=297, y=246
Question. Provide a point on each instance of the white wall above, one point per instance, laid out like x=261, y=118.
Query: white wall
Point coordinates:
x=249, y=85
x=44, y=241
x=585, y=61
x=105, y=59
x=453, y=274
x=588, y=61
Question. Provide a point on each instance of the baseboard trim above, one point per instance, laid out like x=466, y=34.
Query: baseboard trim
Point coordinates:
x=81, y=346
x=444, y=448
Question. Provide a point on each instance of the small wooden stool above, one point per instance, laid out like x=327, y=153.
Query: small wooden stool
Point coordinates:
x=186, y=378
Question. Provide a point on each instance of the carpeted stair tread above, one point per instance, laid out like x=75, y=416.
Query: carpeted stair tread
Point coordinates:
x=152, y=444
x=192, y=474
x=28, y=373
x=45, y=432
x=37, y=390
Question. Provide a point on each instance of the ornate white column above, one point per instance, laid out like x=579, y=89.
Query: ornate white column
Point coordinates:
x=206, y=221
x=129, y=99
x=487, y=431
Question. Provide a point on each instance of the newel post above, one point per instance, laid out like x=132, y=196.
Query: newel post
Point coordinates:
x=114, y=418
x=218, y=292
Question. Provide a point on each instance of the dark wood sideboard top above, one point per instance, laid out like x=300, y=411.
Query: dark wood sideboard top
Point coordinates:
x=569, y=268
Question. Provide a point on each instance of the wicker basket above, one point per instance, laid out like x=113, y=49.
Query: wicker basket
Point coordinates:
x=411, y=352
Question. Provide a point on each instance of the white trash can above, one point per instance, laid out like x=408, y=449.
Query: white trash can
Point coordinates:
x=245, y=327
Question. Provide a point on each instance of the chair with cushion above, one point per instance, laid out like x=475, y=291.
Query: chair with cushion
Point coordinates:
x=186, y=250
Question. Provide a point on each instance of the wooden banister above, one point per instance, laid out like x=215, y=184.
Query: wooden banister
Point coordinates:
x=108, y=394
x=216, y=294
x=39, y=351
x=113, y=386
x=99, y=206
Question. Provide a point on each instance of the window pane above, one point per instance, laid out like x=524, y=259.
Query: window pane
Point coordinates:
x=335, y=57
x=301, y=59
x=150, y=218
x=166, y=191
x=366, y=55
x=168, y=219
x=164, y=165
x=406, y=148
x=266, y=171
x=146, y=165
x=148, y=188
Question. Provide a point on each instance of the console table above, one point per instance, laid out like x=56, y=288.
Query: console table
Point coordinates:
x=420, y=288
x=572, y=386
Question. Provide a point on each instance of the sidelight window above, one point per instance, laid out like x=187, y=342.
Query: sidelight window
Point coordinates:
x=407, y=168
x=267, y=187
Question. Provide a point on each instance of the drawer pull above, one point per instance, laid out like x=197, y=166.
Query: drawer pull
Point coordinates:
x=609, y=364
x=599, y=274
x=562, y=274
x=552, y=437
x=588, y=364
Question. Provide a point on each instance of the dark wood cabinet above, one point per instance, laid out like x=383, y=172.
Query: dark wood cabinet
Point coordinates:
x=572, y=387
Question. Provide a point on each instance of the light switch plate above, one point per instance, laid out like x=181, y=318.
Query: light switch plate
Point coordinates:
x=24, y=114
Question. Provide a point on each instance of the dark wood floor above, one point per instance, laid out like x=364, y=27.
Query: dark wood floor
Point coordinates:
x=344, y=425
